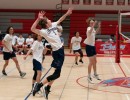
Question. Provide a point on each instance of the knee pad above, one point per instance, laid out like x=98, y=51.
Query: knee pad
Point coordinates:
x=54, y=76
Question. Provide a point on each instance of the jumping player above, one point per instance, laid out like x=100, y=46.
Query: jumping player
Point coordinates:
x=50, y=33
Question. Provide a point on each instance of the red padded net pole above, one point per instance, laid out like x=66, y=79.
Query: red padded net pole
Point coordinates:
x=117, y=57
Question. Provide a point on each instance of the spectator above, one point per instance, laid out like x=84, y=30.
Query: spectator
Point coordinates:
x=29, y=41
x=111, y=38
x=1, y=36
x=20, y=44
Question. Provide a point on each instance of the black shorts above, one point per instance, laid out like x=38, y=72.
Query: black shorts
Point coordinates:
x=48, y=46
x=28, y=46
x=8, y=55
x=79, y=50
x=37, y=65
x=90, y=50
x=58, y=58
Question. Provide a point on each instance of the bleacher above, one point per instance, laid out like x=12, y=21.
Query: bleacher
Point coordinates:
x=22, y=21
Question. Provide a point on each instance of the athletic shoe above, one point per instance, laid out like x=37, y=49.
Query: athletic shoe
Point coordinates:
x=46, y=92
x=36, y=88
x=22, y=53
x=76, y=63
x=96, y=76
x=4, y=73
x=40, y=92
x=22, y=74
x=89, y=79
x=81, y=61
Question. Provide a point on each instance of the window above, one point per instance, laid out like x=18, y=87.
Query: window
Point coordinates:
x=75, y=1
x=65, y=1
x=120, y=2
x=86, y=2
x=109, y=2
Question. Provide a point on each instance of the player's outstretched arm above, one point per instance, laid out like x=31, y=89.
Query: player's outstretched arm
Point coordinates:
x=65, y=15
x=40, y=17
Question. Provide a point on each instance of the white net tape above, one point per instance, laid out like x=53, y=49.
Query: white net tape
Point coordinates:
x=120, y=20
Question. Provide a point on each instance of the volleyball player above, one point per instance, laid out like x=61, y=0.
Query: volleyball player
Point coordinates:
x=90, y=47
x=50, y=33
x=75, y=45
x=8, y=51
x=37, y=51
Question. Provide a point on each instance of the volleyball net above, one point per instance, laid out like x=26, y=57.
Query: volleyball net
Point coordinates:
x=121, y=35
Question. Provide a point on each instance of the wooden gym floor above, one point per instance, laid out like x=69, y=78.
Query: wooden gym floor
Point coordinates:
x=72, y=85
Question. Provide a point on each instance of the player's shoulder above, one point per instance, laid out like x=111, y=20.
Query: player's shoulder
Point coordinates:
x=73, y=37
x=43, y=30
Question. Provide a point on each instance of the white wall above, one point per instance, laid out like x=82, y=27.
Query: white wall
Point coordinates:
x=28, y=4
x=51, y=4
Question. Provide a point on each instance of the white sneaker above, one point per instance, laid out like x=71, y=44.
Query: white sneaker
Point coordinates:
x=89, y=79
x=22, y=53
x=96, y=76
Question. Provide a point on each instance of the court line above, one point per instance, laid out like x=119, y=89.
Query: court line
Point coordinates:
x=125, y=65
x=66, y=81
x=1, y=76
x=113, y=66
x=78, y=82
x=29, y=94
x=88, y=91
x=122, y=70
x=105, y=90
x=127, y=97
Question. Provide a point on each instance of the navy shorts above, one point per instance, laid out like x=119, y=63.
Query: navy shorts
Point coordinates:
x=8, y=55
x=79, y=50
x=58, y=58
x=90, y=50
x=37, y=65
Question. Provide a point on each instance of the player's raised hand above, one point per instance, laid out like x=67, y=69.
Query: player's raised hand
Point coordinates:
x=41, y=14
x=69, y=11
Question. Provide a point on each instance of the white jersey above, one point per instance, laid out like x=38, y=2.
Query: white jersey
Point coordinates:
x=37, y=48
x=29, y=41
x=52, y=36
x=8, y=38
x=20, y=41
x=76, y=43
x=90, y=40
x=14, y=40
x=60, y=28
